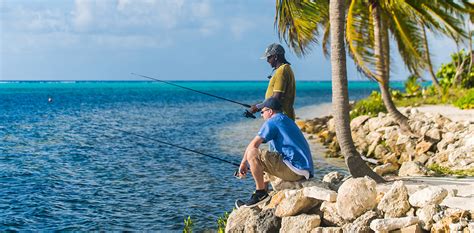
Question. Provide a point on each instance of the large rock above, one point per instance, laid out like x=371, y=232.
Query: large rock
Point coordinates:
x=412, y=168
x=395, y=202
x=423, y=147
x=319, y=193
x=279, y=184
x=330, y=215
x=385, y=169
x=355, y=197
x=415, y=228
x=426, y=215
x=392, y=223
x=327, y=230
x=276, y=199
x=428, y=196
x=358, y=121
x=434, y=134
x=300, y=223
x=267, y=221
x=361, y=224
x=333, y=179
x=295, y=204
x=242, y=220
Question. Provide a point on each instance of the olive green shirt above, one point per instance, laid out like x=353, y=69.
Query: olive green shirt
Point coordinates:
x=284, y=81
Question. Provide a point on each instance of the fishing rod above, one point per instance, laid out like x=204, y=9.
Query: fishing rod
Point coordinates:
x=246, y=113
x=174, y=145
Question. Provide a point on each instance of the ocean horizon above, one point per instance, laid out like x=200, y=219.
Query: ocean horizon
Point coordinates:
x=66, y=163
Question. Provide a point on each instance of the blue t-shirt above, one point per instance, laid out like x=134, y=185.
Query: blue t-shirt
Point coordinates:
x=285, y=136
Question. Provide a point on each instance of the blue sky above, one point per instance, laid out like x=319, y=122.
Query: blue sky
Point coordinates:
x=167, y=39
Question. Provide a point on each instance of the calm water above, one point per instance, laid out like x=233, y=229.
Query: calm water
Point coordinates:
x=63, y=166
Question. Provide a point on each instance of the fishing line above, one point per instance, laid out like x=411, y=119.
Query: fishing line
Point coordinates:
x=174, y=145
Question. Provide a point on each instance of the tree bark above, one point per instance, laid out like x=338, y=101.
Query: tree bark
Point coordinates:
x=340, y=99
x=381, y=71
x=428, y=61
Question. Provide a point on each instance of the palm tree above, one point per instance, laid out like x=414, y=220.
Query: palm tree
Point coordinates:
x=340, y=97
x=301, y=22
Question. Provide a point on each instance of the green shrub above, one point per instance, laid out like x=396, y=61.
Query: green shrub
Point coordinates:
x=222, y=222
x=371, y=106
x=412, y=86
x=446, y=171
x=188, y=225
x=447, y=72
x=466, y=101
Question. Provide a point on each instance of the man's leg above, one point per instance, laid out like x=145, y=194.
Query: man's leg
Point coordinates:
x=256, y=169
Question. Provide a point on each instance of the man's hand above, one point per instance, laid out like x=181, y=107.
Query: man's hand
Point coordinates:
x=253, y=109
x=243, y=170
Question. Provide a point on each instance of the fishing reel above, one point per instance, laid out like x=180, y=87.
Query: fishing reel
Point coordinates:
x=248, y=114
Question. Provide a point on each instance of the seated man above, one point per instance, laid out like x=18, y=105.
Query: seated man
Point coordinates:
x=291, y=161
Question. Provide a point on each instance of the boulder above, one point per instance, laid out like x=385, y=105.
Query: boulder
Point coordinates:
x=415, y=228
x=380, y=151
x=242, y=220
x=385, y=169
x=355, y=197
x=302, y=223
x=276, y=199
x=330, y=215
x=390, y=224
x=327, y=230
x=428, y=196
x=412, y=168
x=423, y=147
x=279, y=184
x=361, y=224
x=426, y=215
x=267, y=221
x=358, y=121
x=434, y=134
x=295, y=204
x=395, y=202
x=319, y=193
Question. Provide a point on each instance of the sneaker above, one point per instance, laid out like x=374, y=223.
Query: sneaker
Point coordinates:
x=254, y=200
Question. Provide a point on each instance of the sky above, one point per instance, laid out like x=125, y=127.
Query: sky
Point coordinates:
x=165, y=39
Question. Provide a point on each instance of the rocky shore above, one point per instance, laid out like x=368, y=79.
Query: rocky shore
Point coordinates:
x=412, y=201
x=339, y=204
x=435, y=141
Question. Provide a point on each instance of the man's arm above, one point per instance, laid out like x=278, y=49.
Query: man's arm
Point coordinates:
x=256, y=107
x=253, y=145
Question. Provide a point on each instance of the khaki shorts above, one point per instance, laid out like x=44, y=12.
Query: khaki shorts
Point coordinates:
x=273, y=165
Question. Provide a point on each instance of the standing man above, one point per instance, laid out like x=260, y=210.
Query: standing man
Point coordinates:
x=291, y=161
x=282, y=83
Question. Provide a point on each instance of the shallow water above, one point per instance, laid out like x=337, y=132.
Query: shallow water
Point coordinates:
x=64, y=166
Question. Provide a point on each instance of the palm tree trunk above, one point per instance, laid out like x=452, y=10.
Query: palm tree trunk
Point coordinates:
x=381, y=70
x=340, y=99
x=428, y=61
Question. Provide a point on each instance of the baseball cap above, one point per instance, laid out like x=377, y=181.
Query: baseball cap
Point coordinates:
x=272, y=103
x=272, y=50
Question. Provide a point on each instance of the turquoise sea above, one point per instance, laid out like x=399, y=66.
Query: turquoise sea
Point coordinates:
x=64, y=165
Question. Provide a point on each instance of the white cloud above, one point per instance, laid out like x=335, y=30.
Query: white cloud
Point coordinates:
x=82, y=14
x=240, y=26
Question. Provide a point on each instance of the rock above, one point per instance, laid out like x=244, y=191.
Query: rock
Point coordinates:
x=279, y=184
x=376, y=122
x=385, y=169
x=358, y=121
x=330, y=215
x=428, y=196
x=434, y=134
x=426, y=215
x=415, y=228
x=268, y=222
x=295, y=204
x=355, y=197
x=301, y=223
x=395, y=202
x=402, y=139
x=392, y=223
x=333, y=177
x=319, y=193
x=411, y=168
x=242, y=220
x=422, y=158
x=380, y=151
x=276, y=199
x=410, y=147
x=327, y=230
x=300, y=124
x=331, y=125
x=361, y=224
x=423, y=147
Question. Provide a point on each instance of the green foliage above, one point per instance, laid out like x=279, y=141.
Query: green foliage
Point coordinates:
x=447, y=72
x=188, y=225
x=222, y=222
x=371, y=106
x=466, y=101
x=412, y=86
x=446, y=171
